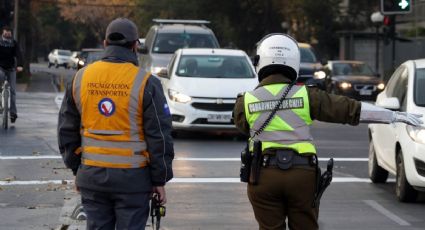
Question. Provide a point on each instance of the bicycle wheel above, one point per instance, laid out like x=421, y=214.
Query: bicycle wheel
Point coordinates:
x=5, y=102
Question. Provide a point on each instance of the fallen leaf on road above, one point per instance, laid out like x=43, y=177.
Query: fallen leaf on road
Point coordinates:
x=9, y=179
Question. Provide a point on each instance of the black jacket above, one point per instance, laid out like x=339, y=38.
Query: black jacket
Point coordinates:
x=157, y=130
x=10, y=54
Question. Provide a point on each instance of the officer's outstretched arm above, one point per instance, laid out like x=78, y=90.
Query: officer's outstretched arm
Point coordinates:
x=374, y=114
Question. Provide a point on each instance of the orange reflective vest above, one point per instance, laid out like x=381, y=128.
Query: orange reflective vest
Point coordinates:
x=109, y=97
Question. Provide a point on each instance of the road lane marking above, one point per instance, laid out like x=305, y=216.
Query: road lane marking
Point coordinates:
x=238, y=159
x=339, y=159
x=185, y=180
x=40, y=157
x=375, y=205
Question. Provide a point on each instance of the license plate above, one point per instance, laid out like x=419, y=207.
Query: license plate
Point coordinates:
x=219, y=118
x=365, y=92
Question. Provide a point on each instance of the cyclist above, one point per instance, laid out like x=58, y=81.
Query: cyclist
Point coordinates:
x=10, y=57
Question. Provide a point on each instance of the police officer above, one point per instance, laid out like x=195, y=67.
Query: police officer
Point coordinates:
x=287, y=180
x=114, y=133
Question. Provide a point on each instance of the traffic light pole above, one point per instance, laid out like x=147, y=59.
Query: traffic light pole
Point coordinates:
x=15, y=20
x=377, y=49
x=393, y=33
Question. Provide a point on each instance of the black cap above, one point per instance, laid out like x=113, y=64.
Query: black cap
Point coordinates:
x=121, y=31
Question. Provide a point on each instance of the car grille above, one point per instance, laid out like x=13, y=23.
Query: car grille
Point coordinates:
x=420, y=167
x=214, y=106
x=359, y=87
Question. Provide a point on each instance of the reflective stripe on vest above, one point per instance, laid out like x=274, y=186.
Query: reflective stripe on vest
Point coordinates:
x=289, y=128
x=109, y=97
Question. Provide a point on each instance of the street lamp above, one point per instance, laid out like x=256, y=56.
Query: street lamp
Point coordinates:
x=377, y=18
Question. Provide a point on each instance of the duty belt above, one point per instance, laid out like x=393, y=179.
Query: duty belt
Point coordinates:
x=296, y=159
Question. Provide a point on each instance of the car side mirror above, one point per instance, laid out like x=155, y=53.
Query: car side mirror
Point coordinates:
x=163, y=73
x=324, y=61
x=143, y=49
x=391, y=103
x=378, y=75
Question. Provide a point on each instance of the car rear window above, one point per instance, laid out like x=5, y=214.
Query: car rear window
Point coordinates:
x=419, y=91
x=170, y=42
x=209, y=66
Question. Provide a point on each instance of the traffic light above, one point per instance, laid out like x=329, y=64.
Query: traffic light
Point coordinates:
x=388, y=29
x=396, y=7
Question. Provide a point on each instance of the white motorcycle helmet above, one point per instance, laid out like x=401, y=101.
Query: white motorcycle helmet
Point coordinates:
x=277, y=53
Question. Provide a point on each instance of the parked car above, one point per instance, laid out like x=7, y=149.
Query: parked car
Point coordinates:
x=351, y=78
x=309, y=64
x=73, y=60
x=398, y=148
x=59, y=57
x=166, y=36
x=201, y=86
x=88, y=56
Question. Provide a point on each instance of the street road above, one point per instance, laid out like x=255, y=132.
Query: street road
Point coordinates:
x=36, y=190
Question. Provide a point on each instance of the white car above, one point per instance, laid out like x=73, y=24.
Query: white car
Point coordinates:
x=59, y=58
x=201, y=86
x=398, y=148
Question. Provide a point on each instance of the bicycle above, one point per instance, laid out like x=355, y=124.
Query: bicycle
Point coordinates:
x=5, y=99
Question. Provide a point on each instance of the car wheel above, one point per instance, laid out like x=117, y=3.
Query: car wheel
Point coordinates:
x=56, y=65
x=404, y=191
x=376, y=173
x=49, y=65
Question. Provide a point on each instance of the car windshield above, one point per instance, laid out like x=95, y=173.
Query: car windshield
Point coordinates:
x=352, y=69
x=216, y=66
x=94, y=56
x=170, y=42
x=419, y=88
x=64, y=52
x=307, y=55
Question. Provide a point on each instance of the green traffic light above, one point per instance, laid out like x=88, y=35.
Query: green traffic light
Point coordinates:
x=389, y=7
x=403, y=4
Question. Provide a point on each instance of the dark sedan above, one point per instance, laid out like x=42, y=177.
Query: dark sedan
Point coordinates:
x=352, y=78
x=88, y=56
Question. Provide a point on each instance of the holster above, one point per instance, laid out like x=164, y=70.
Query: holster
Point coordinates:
x=246, y=160
x=256, y=165
x=322, y=182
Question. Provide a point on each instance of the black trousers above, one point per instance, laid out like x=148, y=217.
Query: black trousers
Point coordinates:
x=282, y=194
x=109, y=211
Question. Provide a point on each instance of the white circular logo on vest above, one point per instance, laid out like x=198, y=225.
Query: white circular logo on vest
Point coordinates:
x=106, y=107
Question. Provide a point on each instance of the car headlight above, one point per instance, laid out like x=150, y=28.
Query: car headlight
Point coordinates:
x=319, y=74
x=345, y=85
x=416, y=133
x=381, y=86
x=156, y=70
x=80, y=62
x=178, y=97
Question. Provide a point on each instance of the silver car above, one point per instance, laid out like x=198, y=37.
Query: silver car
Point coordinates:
x=167, y=36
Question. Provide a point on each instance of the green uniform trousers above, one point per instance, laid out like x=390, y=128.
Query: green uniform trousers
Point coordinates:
x=282, y=194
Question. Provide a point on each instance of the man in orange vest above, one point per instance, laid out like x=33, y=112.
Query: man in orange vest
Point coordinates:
x=114, y=132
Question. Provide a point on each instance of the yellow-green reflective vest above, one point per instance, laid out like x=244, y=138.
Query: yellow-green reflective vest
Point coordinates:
x=290, y=126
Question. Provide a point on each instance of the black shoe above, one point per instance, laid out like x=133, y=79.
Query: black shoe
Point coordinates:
x=13, y=117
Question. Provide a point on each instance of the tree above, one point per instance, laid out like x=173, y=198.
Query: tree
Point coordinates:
x=96, y=14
